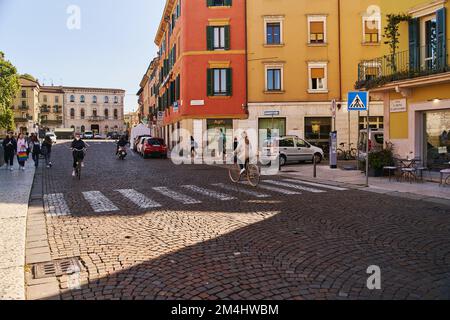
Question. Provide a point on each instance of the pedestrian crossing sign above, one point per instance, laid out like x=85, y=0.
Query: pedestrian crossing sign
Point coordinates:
x=358, y=101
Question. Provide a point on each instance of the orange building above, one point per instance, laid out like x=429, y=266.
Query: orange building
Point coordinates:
x=202, y=62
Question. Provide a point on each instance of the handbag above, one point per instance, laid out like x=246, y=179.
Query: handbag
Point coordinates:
x=22, y=156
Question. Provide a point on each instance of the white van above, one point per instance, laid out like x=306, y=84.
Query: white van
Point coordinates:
x=52, y=136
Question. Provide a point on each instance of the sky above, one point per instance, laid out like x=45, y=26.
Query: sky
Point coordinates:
x=87, y=43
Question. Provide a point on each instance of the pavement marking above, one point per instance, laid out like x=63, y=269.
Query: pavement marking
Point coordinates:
x=316, y=185
x=293, y=186
x=55, y=205
x=139, y=199
x=209, y=193
x=99, y=202
x=277, y=189
x=176, y=195
x=244, y=191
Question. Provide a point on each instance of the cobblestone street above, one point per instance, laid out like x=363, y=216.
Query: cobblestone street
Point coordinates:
x=147, y=229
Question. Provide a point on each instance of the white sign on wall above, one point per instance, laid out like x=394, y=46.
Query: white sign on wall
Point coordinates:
x=197, y=102
x=398, y=105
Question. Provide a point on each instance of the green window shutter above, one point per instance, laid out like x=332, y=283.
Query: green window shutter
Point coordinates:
x=209, y=84
x=227, y=37
x=414, y=41
x=228, y=2
x=229, y=82
x=441, y=38
x=209, y=38
x=178, y=91
x=209, y=3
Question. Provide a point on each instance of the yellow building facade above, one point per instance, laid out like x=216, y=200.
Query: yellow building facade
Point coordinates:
x=302, y=55
x=415, y=83
x=51, y=108
x=26, y=106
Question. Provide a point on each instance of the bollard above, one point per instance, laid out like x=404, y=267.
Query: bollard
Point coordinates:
x=315, y=166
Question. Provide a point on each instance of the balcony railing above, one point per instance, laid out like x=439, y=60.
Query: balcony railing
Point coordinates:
x=95, y=118
x=408, y=64
x=45, y=110
x=23, y=119
x=23, y=107
x=51, y=122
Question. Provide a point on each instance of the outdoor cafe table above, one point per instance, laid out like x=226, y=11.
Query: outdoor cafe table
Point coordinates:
x=408, y=164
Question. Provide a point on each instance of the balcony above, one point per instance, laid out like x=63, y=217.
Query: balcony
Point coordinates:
x=45, y=110
x=23, y=107
x=51, y=122
x=405, y=65
x=57, y=109
x=23, y=119
x=95, y=118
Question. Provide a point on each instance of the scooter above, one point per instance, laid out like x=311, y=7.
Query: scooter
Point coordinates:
x=122, y=153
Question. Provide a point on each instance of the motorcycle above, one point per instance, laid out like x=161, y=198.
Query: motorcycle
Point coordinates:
x=122, y=153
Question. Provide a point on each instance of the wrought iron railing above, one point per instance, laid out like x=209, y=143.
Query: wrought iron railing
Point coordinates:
x=402, y=65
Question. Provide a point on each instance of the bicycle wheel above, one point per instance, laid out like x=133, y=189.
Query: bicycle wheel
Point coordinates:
x=235, y=173
x=340, y=154
x=353, y=154
x=253, y=175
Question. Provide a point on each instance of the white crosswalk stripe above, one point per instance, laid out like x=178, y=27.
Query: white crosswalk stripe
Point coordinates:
x=99, y=202
x=209, y=193
x=139, y=199
x=325, y=186
x=176, y=195
x=277, y=189
x=55, y=205
x=293, y=186
x=240, y=190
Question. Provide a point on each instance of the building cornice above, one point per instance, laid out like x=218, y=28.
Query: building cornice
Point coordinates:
x=163, y=24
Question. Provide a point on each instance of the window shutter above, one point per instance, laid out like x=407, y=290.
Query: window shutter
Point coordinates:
x=441, y=38
x=209, y=84
x=316, y=27
x=414, y=40
x=228, y=2
x=209, y=38
x=229, y=82
x=209, y=3
x=178, y=89
x=317, y=73
x=227, y=37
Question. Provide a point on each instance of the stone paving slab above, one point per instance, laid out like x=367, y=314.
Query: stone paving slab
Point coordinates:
x=14, y=196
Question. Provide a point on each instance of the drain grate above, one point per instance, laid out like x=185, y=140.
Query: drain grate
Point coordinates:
x=56, y=268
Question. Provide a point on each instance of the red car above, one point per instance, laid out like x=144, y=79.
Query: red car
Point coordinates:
x=154, y=147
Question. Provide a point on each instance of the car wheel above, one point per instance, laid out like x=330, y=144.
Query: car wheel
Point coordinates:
x=283, y=160
x=318, y=157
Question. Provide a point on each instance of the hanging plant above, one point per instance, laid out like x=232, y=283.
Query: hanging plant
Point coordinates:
x=392, y=35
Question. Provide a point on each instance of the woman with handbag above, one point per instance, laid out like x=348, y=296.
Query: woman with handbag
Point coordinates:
x=35, y=148
x=22, y=148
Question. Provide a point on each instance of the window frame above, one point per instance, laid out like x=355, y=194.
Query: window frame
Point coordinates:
x=271, y=20
x=317, y=18
x=313, y=65
x=376, y=18
x=268, y=67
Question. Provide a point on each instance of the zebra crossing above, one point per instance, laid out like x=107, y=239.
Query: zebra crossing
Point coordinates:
x=57, y=206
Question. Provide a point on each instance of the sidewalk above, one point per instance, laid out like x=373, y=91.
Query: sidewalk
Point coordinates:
x=430, y=191
x=15, y=188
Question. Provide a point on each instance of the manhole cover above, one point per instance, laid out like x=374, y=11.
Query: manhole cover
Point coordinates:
x=56, y=268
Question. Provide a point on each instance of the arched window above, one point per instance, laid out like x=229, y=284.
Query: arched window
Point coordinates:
x=106, y=113
x=106, y=99
x=116, y=99
x=82, y=99
x=94, y=112
x=116, y=114
x=72, y=113
x=94, y=99
x=82, y=113
x=83, y=129
x=72, y=98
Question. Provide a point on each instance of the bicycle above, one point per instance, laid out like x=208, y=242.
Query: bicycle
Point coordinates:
x=79, y=166
x=252, y=172
x=346, y=154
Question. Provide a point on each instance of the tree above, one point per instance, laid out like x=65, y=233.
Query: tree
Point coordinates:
x=9, y=88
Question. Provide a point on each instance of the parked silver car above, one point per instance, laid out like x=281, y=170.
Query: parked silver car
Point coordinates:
x=290, y=149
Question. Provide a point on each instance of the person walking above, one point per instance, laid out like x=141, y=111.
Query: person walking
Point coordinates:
x=35, y=148
x=10, y=149
x=194, y=147
x=22, y=149
x=46, y=150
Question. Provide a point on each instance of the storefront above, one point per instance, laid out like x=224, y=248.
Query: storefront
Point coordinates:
x=271, y=125
x=437, y=138
x=216, y=128
x=317, y=131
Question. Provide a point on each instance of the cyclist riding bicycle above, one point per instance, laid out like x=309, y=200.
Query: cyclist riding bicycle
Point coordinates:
x=243, y=152
x=78, y=147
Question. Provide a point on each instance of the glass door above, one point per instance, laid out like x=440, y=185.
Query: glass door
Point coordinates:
x=437, y=139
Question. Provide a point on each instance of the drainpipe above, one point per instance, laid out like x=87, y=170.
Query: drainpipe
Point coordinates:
x=340, y=53
x=246, y=62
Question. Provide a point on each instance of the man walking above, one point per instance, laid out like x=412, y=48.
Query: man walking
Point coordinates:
x=10, y=148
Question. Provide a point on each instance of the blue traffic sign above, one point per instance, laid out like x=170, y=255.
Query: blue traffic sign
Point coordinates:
x=358, y=101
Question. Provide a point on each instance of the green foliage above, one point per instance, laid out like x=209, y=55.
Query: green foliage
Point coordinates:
x=9, y=88
x=382, y=158
x=28, y=76
x=391, y=32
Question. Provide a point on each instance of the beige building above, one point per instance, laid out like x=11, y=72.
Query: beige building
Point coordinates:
x=51, y=108
x=94, y=109
x=26, y=106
